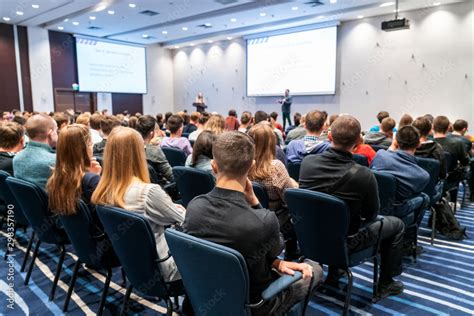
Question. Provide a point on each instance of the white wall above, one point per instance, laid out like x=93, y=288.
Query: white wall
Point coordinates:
x=375, y=72
x=160, y=97
x=40, y=69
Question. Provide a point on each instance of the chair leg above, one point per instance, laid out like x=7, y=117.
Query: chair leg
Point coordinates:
x=104, y=292
x=433, y=225
x=58, y=272
x=71, y=285
x=347, y=301
x=376, y=279
x=27, y=253
x=124, y=276
x=169, y=307
x=32, y=263
x=125, y=300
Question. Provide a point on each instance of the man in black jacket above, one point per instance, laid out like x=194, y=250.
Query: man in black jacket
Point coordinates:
x=335, y=172
x=450, y=144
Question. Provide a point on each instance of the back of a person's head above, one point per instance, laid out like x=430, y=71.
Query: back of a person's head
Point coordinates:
x=345, y=131
x=441, y=124
x=11, y=135
x=233, y=113
x=72, y=159
x=408, y=138
x=132, y=121
x=460, y=125
x=95, y=120
x=274, y=115
x=159, y=118
x=265, y=141
x=430, y=118
x=260, y=116
x=314, y=121
x=108, y=123
x=246, y=118
x=174, y=123
x=423, y=125
x=38, y=126
x=83, y=119
x=216, y=124
x=387, y=125
x=297, y=118
x=145, y=125
x=124, y=160
x=203, y=119
x=19, y=119
x=203, y=146
x=381, y=115
x=406, y=119
x=167, y=116
x=195, y=116
x=61, y=119
x=325, y=115
x=233, y=153
x=332, y=118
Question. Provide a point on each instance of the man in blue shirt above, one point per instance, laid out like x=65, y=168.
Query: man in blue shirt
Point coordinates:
x=35, y=162
x=286, y=107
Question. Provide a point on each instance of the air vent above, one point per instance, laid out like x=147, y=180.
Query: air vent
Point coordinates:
x=149, y=13
x=314, y=3
x=225, y=2
x=205, y=26
x=94, y=28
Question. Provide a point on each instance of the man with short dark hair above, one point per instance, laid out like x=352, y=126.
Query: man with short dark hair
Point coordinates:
x=296, y=121
x=107, y=124
x=94, y=123
x=193, y=122
x=449, y=144
x=334, y=172
x=459, y=132
x=298, y=132
x=231, y=215
x=146, y=125
x=11, y=142
x=35, y=162
x=260, y=116
x=175, y=126
x=310, y=144
x=385, y=136
x=380, y=116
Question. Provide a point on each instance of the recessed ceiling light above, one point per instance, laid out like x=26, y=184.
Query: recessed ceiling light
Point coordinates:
x=60, y=28
x=333, y=1
x=6, y=18
x=35, y=6
x=145, y=35
x=111, y=12
x=184, y=28
x=19, y=12
x=66, y=20
x=263, y=14
x=92, y=17
x=360, y=16
x=176, y=47
x=100, y=7
x=75, y=23
x=132, y=5
x=321, y=17
x=192, y=44
x=208, y=24
x=437, y=4
x=233, y=20
x=229, y=38
x=387, y=4
x=294, y=8
x=164, y=32
x=210, y=41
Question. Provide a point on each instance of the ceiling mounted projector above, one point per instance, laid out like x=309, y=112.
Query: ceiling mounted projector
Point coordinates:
x=396, y=24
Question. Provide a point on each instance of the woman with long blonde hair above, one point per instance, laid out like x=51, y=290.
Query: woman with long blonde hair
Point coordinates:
x=216, y=124
x=76, y=172
x=125, y=183
x=272, y=174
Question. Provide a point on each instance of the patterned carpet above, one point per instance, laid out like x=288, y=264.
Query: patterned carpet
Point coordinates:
x=440, y=283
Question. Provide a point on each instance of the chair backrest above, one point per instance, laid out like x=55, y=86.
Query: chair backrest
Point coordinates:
x=294, y=170
x=153, y=174
x=360, y=159
x=387, y=187
x=321, y=223
x=378, y=147
x=84, y=237
x=135, y=246
x=432, y=166
x=210, y=271
x=176, y=157
x=261, y=194
x=192, y=182
x=9, y=199
x=34, y=203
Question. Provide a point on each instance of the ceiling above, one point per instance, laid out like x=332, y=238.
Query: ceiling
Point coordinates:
x=180, y=22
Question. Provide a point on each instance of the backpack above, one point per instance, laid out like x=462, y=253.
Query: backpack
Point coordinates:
x=446, y=223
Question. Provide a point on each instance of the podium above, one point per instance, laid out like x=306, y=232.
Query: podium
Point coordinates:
x=200, y=107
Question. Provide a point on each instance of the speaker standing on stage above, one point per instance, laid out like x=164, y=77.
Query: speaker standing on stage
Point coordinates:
x=199, y=103
x=286, y=108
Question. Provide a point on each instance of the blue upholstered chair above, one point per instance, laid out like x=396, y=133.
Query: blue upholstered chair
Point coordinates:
x=361, y=160
x=294, y=170
x=192, y=182
x=219, y=269
x=455, y=177
x=321, y=222
x=134, y=243
x=176, y=157
x=34, y=203
x=261, y=194
x=91, y=246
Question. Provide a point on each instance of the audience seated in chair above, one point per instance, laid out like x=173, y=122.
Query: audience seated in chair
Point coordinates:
x=11, y=142
x=405, y=120
x=273, y=176
x=384, y=137
x=335, y=172
x=146, y=126
x=94, y=123
x=298, y=132
x=310, y=143
x=245, y=121
x=231, y=121
x=231, y=215
x=453, y=145
x=277, y=128
x=400, y=161
x=201, y=125
x=365, y=150
x=380, y=116
x=428, y=148
x=125, y=183
x=34, y=163
x=193, y=122
x=107, y=124
x=459, y=132
x=175, y=126
x=202, y=152
x=296, y=123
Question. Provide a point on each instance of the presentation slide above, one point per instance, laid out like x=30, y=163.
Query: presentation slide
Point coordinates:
x=304, y=62
x=110, y=67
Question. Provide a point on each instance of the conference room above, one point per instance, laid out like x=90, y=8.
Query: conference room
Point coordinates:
x=236, y=157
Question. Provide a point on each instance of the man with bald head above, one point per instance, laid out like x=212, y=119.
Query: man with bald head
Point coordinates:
x=334, y=172
x=34, y=163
